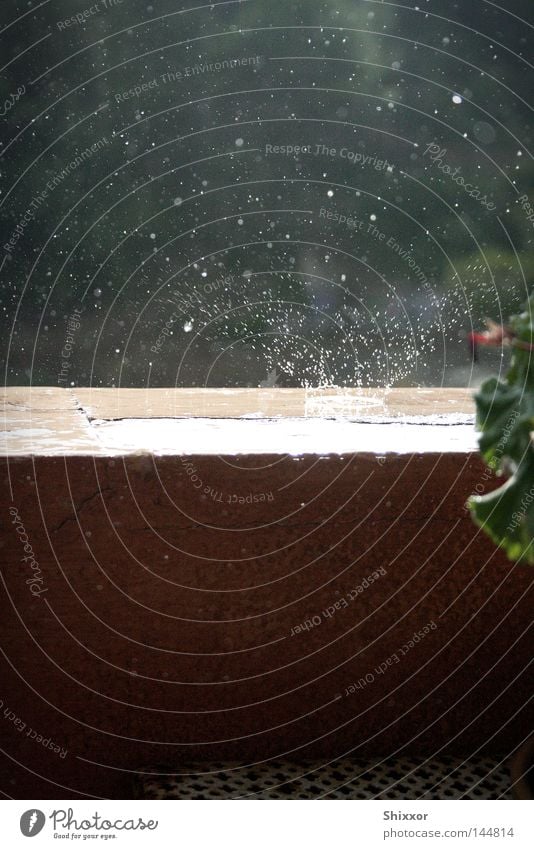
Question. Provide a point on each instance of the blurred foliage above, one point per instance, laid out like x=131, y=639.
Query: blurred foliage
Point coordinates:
x=490, y=282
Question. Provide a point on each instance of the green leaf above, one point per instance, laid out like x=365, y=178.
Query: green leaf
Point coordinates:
x=505, y=417
x=507, y=514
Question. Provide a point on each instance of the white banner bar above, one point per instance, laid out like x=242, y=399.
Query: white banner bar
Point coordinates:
x=252, y=825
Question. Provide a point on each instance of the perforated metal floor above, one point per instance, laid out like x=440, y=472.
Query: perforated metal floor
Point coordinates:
x=406, y=778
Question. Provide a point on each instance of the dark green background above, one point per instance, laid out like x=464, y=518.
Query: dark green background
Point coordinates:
x=308, y=302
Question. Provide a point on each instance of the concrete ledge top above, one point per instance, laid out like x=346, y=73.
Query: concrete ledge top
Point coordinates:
x=51, y=421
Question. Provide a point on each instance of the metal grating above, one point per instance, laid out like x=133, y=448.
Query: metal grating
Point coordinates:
x=406, y=778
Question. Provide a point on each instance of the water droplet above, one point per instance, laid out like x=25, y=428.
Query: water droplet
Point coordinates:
x=484, y=132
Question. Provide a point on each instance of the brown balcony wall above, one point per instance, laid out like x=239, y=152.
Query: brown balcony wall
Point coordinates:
x=268, y=611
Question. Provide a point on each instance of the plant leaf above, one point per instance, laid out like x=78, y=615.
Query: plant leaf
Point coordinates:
x=505, y=418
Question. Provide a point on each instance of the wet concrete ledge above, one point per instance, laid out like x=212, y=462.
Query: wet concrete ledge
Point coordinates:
x=112, y=422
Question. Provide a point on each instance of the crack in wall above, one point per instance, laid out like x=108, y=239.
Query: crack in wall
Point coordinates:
x=78, y=508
